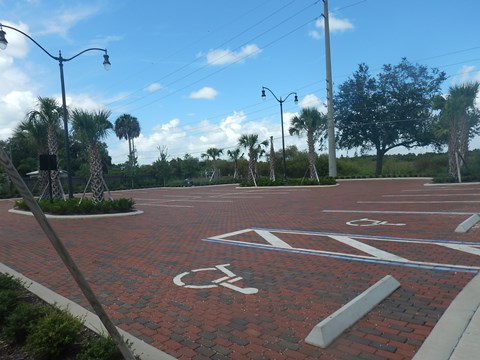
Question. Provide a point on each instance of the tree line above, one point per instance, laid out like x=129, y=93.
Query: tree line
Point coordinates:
x=400, y=106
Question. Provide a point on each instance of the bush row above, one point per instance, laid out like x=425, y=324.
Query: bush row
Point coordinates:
x=265, y=181
x=45, y=332
x=86, y=206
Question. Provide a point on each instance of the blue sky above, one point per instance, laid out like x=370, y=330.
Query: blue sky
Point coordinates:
x=191, y=71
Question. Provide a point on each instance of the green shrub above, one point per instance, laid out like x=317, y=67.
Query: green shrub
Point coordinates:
x=8, y=282
x=264, y=181
x=53, y=334
x=86, y=206
x=9, y=299
x=20, y=320
x=100, y=349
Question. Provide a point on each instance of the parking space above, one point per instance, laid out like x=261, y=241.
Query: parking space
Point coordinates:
x=225, y=272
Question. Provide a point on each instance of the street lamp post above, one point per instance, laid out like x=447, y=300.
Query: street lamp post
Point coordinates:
x=281, y=101
x=61, y=60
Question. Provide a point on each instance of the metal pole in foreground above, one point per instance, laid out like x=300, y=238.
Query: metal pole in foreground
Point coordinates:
x=283, y=143
x=332, y=159
x=64, y=254
x=65, y=129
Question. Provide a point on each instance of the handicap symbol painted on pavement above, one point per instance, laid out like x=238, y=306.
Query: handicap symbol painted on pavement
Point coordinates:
x=225, y=281
x=370, y=222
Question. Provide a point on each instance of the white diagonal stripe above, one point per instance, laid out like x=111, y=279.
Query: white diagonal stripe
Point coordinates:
x=272, y=239
x=368, y=249
x=464, y=248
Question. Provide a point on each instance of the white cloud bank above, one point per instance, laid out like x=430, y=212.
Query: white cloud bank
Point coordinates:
x=206, y=92
x=226, y=56
x=336, y=25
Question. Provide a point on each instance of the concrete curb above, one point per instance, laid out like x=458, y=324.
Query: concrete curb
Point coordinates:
x=467, y=224
x=331, y=327
x=97, y=216
x=91, y=321
x=453, y=184
x=446, y=336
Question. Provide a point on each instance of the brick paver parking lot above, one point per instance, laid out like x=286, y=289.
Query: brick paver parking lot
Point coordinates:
x=233, y=273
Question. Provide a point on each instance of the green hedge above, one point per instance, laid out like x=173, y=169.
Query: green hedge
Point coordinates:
x=85, y=207
x=265, y=181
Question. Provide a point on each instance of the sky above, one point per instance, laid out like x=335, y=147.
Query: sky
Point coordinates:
x=192, y=71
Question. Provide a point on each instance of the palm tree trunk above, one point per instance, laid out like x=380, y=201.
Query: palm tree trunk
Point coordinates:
x=251, y=165
x=452, y=150
x=311, y=156
x=96, y=172
x=463, y=138
x=57, y=191
x=272, y=160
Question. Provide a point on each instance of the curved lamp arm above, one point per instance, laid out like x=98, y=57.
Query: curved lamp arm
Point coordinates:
x=279, y=100
x=4, y=42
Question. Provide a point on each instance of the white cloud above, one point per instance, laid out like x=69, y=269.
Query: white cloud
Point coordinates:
x=204, y=93
x=311, y=100
x=336, y=25
x=16, y=90
x=314, y=34
x=225, y=56
x=63, y=20
x=468, y=73
x=18, y=44
x=153, y=87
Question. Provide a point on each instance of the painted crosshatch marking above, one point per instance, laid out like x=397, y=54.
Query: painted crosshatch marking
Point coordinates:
x=271, y=239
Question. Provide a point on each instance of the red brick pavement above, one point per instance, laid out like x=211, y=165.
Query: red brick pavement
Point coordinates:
x=132, y=261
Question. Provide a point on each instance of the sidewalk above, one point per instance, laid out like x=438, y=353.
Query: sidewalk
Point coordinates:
x=456, y=335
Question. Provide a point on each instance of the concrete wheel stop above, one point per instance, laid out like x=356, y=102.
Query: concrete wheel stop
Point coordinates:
x=325, y=332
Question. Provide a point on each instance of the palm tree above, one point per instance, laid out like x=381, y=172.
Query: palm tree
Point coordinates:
x=234, y=155
x=313, y=123
x=213, y=153
x=457, y=119
x=254, y=148
x=35, y=135
x=127, y=127
x=272, y=160
x=47, y=115
x=90, y=128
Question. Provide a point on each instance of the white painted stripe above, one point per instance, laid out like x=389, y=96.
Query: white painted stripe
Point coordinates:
x=351, y=256
x=163, y=198
x=399, y=212
x=331, y=327
x=160, y=205
x=272, y=239
x=233, y=233
x=368, y=249
x=203, y=201
x=430, y=195
x=420, y=202
x=442, y=189
x=464, y=248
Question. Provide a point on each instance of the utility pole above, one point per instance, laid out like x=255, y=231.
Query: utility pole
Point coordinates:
x=332, y=159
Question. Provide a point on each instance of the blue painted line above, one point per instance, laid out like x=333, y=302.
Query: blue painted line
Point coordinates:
x=344, y=257
x=374, y=237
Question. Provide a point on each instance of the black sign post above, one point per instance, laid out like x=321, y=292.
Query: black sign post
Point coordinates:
x=48, y=162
